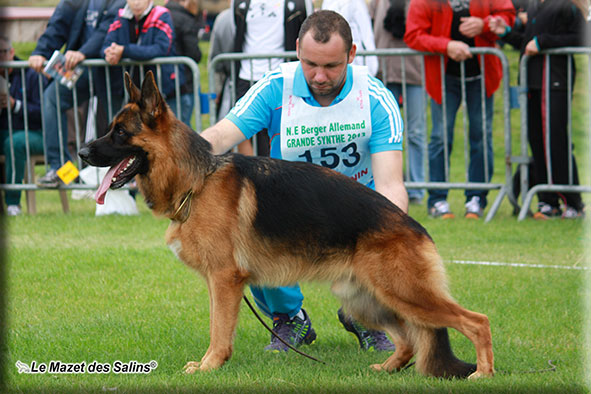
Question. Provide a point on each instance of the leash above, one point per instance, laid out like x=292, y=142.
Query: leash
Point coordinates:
x=552, y=368
x=277, y=336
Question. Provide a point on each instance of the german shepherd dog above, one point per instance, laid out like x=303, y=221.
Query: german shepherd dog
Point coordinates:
x=252, y=220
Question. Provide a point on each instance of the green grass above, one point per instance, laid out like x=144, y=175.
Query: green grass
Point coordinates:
x=85, y=288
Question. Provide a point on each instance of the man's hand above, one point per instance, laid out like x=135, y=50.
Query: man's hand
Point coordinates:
x=458, y=51
x=114, y=53
x=73, y=58
x=471, y=26
x=497, y=25
x=36, y=62
x=6, y=101
x=531, y=48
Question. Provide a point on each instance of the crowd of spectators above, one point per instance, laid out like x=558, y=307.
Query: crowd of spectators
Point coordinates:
x=139, y=30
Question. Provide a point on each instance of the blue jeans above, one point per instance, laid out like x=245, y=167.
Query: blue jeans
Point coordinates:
x=187, y=104
x=416, y=132
x=476, y=169
x=270, y=300
x=54, y=146
x=13, y=197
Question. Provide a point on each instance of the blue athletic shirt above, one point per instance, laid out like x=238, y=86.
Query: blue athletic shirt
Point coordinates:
x=261, y=107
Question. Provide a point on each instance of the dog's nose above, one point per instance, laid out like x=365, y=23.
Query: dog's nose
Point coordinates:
x=84, y=152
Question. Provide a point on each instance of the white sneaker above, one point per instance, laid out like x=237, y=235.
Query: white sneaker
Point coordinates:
x=572, y=213
x=441, y=210
x=13, y=210
x=473, y=208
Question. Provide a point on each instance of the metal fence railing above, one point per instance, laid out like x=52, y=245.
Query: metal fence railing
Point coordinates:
x=550, y=186
x=453, y=180
x=92, y=64
x=504, y=187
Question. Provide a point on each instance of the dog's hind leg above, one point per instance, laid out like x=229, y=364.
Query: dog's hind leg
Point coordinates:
x=225, y=291
x=404, y=349
x=412, y=283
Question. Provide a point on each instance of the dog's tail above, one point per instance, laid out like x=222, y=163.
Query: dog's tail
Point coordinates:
x=434, y=356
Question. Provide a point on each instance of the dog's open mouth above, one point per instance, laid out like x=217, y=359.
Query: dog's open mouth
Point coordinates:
x=117, y=176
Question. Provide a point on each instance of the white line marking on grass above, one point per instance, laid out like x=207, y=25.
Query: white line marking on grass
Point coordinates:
x=520, y=265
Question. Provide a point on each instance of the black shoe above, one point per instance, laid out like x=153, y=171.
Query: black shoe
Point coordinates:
x=368, y=339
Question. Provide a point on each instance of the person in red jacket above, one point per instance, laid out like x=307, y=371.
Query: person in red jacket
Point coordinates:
x=450, y=28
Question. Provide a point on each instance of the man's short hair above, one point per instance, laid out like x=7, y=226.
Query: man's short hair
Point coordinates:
x=323, y=24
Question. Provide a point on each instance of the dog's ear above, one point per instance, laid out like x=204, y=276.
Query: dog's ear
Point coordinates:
x=132, y=90
x=151, y=100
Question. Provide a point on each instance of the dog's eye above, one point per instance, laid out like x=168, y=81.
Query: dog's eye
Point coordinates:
x=120, y=132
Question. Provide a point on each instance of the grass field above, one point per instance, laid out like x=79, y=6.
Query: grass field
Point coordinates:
x=85, y=288
x=81, y=288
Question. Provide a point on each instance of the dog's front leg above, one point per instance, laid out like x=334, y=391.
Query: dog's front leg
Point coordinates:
x=225, y=291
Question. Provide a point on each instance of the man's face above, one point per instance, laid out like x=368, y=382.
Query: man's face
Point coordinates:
x=6, y=52
x=324, y=65
x=6, y=55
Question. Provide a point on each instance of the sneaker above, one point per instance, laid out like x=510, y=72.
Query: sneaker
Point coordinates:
x=13, y=210
x=473, y=208
x=368, y=339
x=441, y=210
x=294, y=331
x=572, y=213
x=546, y=211
x=49, y=180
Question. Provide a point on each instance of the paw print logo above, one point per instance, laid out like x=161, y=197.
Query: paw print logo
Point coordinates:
x=22, y=367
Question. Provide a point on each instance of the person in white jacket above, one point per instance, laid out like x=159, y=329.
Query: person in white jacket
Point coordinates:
x=357, y=14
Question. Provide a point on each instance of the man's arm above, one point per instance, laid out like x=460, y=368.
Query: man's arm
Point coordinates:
x=387, y=174
x=223, y=136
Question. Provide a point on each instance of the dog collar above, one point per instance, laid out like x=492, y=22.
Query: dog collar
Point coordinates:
x=182, y=212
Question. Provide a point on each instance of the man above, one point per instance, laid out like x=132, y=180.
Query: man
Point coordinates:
x=451, y=28
x=13, y=136
x=321, y=110
x=80, y=25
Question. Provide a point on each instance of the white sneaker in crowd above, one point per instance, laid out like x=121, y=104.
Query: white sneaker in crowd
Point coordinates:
x=13, y=210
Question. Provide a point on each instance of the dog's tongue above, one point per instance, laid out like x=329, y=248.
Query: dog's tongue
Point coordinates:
x=100, y=194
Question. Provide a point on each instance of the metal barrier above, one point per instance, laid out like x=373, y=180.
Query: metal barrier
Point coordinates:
x=505, y=189
x=21, y=66
x=523, y=160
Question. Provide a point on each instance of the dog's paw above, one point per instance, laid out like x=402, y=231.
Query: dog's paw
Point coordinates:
x=377, y=367
x=192, y=367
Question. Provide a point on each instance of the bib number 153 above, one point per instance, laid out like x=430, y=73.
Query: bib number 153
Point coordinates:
x=331, y=157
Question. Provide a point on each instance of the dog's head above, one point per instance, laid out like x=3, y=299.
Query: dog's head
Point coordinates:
x=125, y=148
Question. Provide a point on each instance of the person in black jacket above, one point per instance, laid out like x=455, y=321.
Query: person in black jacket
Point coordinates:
x=186, y=30
x=14, y=136
x=80, y=26
x=551, y=24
